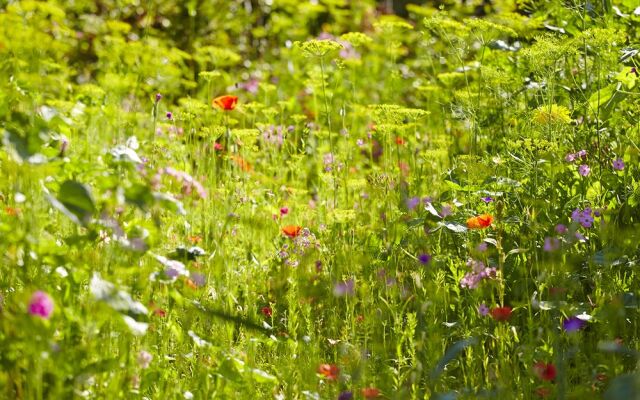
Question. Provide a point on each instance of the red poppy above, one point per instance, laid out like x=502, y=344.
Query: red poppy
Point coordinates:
x=480, y=222
x=501, y=313
x=266, y=311
x=226, y=102
x=292, y=230
x=159, y=312
x=329, y=371
x=399, y=141
x=544, y=371
x=370, y=393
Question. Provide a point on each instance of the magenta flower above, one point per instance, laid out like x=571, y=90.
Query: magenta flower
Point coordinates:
x=618, y=164
x=284, y=210
x=570, y=157
x=169, y=115
x=584, y=170
x=41, y=305
x=581, y=154
x=158, y=97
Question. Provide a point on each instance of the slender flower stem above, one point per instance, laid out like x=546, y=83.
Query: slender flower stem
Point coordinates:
x=328, y=114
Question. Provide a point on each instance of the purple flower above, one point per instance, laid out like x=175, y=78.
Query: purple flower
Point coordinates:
x=158, y=97
x=446, y=211
x=581, y=154
x=144, y=359
x=618, y=164
x=487, y=199
x=479, y=271
x=560, y=228
x=345, y=288
x=41, y=305
x=346, y=395
x=328, y=160
x=424, y=258
x=573, y=324
x=198, y=279
x=169, y=115
x=483, y=309
x=470, y=280
x=584, y=170
x=570, y=157
x=251, y=85
x=482, y=247
x=413, y=202
x=584, y=217
x=551, y=244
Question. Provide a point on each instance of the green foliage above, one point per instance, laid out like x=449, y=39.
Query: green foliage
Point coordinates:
x=376, y=184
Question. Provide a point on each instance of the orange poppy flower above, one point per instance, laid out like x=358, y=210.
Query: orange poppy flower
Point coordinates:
x=292, y=230
x=501, y=313
x=480, y=222
x=226, y=102
x=195, y=239
x=242, y=163
x=12, y=211
x=329, y=371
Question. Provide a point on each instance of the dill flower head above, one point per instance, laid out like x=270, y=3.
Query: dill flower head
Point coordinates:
x=554, y=114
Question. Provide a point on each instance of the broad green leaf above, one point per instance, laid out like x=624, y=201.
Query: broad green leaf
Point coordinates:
x=77, y=198
x=452, y=353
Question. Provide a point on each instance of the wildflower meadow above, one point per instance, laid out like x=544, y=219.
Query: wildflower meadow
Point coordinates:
x=320, y=199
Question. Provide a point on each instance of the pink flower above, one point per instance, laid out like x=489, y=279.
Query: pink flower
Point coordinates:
x=144, y=359
x=584, y=170
x=41, y=305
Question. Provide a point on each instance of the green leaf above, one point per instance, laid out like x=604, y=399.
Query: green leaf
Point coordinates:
x=261, y=376
x=76, y=197
x=457, y=228
x=450, y=354
x=140, y=196
x=623, y=387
